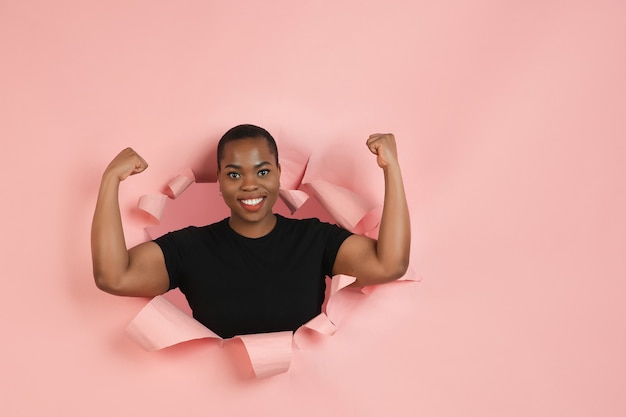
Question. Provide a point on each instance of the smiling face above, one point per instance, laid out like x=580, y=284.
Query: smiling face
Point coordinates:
x=249, y=179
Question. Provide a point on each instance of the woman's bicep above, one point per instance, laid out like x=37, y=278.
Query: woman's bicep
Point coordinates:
x=357, y=257
x=146, y=275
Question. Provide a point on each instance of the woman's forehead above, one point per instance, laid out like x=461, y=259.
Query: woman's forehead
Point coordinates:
x=253, y=149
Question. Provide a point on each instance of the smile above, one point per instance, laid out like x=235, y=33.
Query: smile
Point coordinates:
x=252, y=201
x=252, y=204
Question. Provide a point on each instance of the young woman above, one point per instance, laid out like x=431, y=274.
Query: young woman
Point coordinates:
x=254, y=271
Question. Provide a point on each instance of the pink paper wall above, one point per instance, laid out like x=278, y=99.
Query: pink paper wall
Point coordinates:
x=511, y=125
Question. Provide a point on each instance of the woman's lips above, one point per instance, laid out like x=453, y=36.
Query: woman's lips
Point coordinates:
x=252, y=204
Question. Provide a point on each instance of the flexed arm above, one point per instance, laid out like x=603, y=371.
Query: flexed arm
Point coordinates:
x=377, y=261
x=139, y=271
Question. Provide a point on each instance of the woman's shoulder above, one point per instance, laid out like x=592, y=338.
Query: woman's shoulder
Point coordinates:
x=309, y=223
x=297, y=222
x=197, y=231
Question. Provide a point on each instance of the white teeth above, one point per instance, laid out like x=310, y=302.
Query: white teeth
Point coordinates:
x=252, y=201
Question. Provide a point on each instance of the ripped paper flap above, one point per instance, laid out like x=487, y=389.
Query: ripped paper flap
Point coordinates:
x=199, y=205
x=153, y=204
x=269, y=353
x=180, y=183
x=293, y=199
x=293, y=164
x=160, y=324
x=345, y=206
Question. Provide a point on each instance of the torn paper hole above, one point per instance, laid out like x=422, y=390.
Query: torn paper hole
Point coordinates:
x=161, y=324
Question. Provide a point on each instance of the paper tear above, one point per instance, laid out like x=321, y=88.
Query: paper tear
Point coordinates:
x=293, y=164
x=153, y=204
x=369, y=223
x=199, y=205
x=345, y=206
x=269, y=353
x=161, y=324
x=293, y=199
x=340, y=282
x=180, y=183
x=321, y=324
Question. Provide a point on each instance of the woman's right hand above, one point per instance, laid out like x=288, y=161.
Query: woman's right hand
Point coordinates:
x=126, y=163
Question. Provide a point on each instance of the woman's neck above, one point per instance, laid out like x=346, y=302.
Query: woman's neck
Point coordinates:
x=253, y=230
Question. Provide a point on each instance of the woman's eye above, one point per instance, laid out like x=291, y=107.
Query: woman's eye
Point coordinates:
x=233, y=175
x=264, y=172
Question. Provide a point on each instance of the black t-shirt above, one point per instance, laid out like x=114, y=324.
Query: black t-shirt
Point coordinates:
x=237, y=285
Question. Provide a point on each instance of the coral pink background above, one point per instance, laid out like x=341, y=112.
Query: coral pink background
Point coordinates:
x=511, y=123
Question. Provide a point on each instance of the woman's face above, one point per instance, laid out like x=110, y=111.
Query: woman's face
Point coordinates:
x=249, y=179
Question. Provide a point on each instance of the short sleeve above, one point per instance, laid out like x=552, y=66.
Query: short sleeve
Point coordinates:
x=335, y=236
x=170, y=246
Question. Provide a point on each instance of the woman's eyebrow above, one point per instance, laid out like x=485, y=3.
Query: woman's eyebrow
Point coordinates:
x=256, y=166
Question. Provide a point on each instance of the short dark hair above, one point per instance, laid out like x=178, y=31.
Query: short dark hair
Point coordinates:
x=244, y=132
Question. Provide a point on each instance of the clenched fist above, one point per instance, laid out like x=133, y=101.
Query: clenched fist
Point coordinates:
x=126, y=163
x=383, y=145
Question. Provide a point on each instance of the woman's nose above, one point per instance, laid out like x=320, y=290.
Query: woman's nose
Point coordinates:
x=249, y=183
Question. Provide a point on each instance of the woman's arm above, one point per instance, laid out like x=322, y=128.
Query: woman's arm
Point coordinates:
x=139, y=271
x=386, y=259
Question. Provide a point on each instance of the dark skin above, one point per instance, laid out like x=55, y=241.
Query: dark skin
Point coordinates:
x=248, y=172
x=249, y=179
